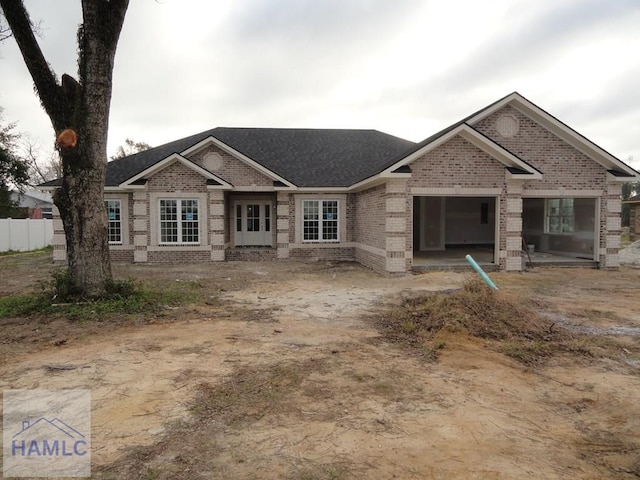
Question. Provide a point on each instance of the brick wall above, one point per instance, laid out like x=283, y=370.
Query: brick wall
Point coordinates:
x=178, y=256
x=370, y=228
x=336, y=253
x=250, y=254
x=370, y=221
x=457, y=162
x=176, y=178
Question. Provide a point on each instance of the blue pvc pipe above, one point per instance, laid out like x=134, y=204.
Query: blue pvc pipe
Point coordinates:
x=480, y=272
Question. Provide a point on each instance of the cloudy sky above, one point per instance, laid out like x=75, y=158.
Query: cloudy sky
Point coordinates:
x=406, y=67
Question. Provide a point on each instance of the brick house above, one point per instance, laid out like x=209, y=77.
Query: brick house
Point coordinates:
x=508, y=172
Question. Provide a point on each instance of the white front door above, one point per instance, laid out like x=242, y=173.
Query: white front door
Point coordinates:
x=253, y=223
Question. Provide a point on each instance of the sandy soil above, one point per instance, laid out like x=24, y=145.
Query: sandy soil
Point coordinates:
x=371, y=409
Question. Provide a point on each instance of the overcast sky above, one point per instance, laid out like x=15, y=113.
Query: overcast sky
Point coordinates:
x=405, y=67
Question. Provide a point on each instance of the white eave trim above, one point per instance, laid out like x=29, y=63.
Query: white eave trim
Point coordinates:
x=175, y=157
x=562, y=131
x=240, y=156
x=617, y=179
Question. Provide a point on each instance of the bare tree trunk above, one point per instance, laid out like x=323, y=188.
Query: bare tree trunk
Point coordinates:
x=80, y=109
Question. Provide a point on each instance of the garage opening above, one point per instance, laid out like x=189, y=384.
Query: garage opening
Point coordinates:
x=557, y=228
x=446, y=229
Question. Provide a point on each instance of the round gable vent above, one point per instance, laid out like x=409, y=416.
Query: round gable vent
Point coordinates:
x=507, y=126
x=212, y=161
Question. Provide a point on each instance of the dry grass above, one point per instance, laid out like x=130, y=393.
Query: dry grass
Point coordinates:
x=514, y=326
x=189, y=448
x=250, y=393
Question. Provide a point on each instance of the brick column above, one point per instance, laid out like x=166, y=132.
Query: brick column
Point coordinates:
x=59, y=240
x=216, y=224
x=282, y=224
x=511, y=246
x=140, y=223
x=613, y=228
x=398, y=226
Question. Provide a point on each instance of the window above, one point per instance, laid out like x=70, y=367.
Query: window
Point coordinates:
x=320, y=220
x=559, y=215
x=114, y=219
x=179, y=221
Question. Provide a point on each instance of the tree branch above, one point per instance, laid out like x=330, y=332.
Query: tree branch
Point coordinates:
x=5, y=31
x=44, y=79
x=111, y=14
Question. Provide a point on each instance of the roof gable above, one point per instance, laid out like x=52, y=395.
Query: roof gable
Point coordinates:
x=213, y=181
x=211, y=140
x=516, y=167
x=561, y=130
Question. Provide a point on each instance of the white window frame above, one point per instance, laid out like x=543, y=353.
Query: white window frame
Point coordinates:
x=109, y=221
x=179, y=220
x=564, y=219
x=320, y=203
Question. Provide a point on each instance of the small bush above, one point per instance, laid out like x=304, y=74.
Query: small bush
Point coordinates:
x=62, y=286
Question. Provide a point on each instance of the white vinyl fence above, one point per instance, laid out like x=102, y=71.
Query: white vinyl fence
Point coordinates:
x=25, y=234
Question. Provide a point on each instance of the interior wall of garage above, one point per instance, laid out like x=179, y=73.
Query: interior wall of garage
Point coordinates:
x=578, y=244
x=441, y=221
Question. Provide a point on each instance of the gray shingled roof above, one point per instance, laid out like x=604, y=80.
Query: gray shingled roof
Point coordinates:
x=304, y=157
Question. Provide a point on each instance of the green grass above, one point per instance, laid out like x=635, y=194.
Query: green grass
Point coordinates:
x=137, y=302
x=22, y=252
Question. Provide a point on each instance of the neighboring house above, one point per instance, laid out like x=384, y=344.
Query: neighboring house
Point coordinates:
x=634, y=217
x=507, y=172
x=35, y=204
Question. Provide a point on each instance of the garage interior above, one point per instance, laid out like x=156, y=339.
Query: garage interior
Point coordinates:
x=446, y=229
x=558, y=232
x=560, y=229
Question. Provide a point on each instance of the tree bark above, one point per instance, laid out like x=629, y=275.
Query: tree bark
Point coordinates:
x=82, y=106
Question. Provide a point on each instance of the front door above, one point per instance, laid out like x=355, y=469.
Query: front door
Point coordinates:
x=253, y=223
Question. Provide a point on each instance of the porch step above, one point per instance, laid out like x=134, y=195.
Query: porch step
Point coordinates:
x=250, y=254
x=562, y=264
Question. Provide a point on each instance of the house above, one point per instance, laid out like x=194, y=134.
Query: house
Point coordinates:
x=507, y=173
x=634, y=217
x=33, y=204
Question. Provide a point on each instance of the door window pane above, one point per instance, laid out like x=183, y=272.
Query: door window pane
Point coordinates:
x=253, y=218
x=267, y=217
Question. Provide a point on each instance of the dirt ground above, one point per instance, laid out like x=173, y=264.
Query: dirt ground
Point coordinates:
x=360, y=407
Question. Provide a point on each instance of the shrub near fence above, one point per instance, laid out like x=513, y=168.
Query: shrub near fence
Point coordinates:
x=25, y=234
